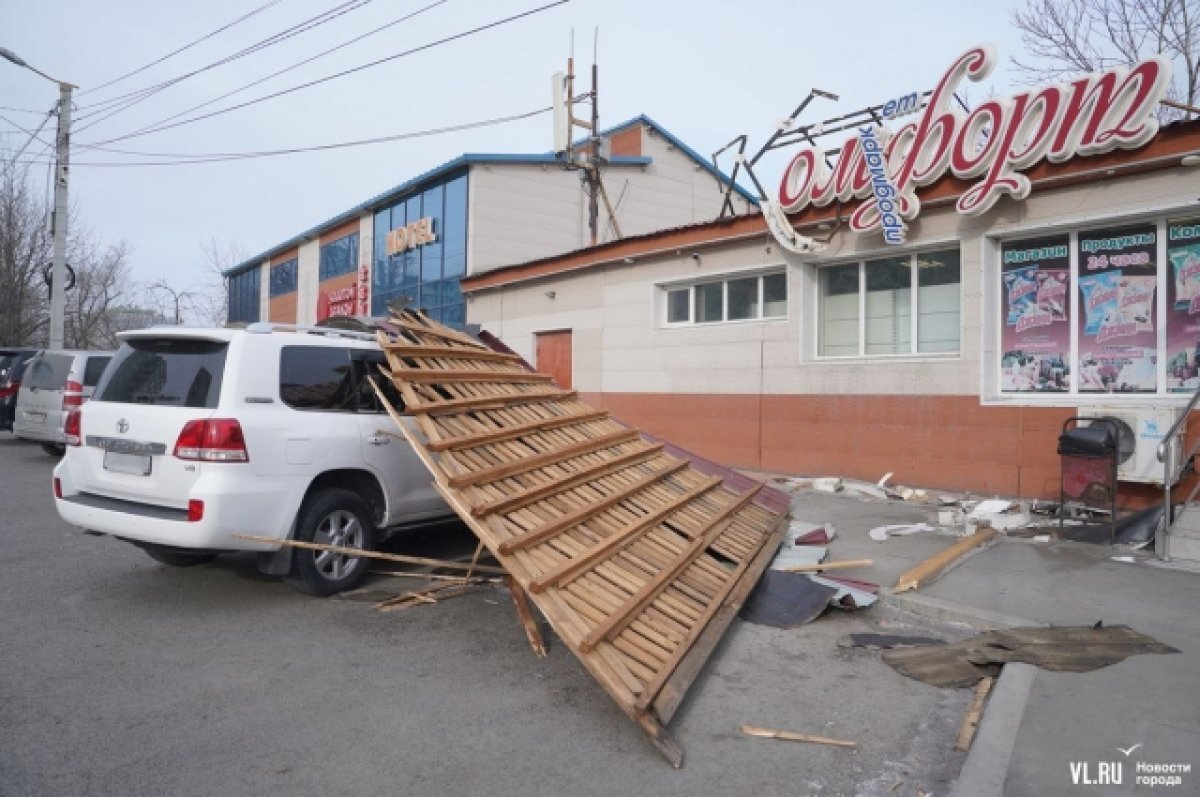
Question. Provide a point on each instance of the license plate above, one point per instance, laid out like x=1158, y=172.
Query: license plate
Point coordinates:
x=35, y=417
x=134, y=464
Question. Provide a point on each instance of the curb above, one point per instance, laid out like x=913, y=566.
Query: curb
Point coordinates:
x=949, y=612
x=986, y=769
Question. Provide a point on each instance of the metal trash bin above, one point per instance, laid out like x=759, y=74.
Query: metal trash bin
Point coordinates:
x=1089, y=467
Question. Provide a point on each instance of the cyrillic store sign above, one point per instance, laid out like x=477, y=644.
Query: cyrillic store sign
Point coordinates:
x=992, y=144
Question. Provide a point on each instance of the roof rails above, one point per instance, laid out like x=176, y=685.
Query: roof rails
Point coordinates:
x=265, y=327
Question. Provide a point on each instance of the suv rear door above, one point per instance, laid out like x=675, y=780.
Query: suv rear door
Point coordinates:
x=151, y=389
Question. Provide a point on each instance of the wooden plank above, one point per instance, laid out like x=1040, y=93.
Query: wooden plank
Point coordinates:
x=966, y=734
x=483, y=355
x=597, y=471
x=539, y=533
x=818, y=566
x=525, y=614
x=553, y=457
x=736, y=582
x=450, y=406
x=391, y=557
x=513, y=432
x=934, y=565
x=791, y=736
x=650, y=590
x=444, y=333
x=622, y=538
x=435, y=376
x=690, y=665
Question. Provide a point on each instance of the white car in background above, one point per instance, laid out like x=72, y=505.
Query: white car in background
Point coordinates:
x=55, y=383
x=195, y=436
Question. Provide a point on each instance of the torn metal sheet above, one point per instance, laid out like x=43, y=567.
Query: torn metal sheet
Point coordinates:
x=801, y=533
x=849, y=594
x=786, y=600
x=799, y=555
x=638, y=557
x=881, y=533
x=1062, y=649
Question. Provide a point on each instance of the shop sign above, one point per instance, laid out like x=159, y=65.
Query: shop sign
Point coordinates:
x=364, y=290
x=414, y=234
x=1183, y=306
x=991, y=145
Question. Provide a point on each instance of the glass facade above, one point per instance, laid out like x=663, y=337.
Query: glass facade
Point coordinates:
x=244, y=295
x=283, y=278
x=427, y=275
x=339, y=257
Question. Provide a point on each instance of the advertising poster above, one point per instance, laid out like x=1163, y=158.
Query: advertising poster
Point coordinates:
x=1036, y=312
x=1118, y=337
x=1183, y=306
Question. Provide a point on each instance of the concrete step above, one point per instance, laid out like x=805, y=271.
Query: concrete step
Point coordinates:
x=1185, y=535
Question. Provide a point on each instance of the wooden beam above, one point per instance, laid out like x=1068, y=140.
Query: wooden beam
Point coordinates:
x=433, y=376
x=618, y=620
x=546, y=530
x=608, y=545
x=484, y=355
x=818, y=566
x=525, y=615
x=487, y=402
x=934, y=565
x=509, y=469
x=792, y=736
x=512, y=432
x=391, y=557
x=966, y=733
x=444, y=333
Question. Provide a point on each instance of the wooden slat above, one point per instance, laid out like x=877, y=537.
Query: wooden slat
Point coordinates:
x=485, y=402
x=485, y=355
x=442, y=332
x=513, y=432
x=536, y=535
x=650, y=590
x=610, y=544
x=451, y=376
x=553, y=457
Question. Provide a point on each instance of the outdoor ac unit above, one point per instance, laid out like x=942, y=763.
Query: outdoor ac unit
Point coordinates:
x=1141, y=430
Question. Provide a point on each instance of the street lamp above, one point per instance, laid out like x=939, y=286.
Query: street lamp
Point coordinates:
x=58, y=282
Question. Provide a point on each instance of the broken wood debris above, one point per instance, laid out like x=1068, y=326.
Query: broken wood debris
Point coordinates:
x=939, y=562
x=966, y=734
x=390, y=557
x=817, y=567
x=637, y=556
x=792, y=736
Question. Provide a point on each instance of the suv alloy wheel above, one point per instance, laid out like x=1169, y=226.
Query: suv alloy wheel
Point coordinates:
x=332, y=517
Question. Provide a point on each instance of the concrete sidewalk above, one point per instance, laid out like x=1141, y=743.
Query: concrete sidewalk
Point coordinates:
x=1040, y=726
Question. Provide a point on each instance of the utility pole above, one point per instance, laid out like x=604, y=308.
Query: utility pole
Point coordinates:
x=58, y=269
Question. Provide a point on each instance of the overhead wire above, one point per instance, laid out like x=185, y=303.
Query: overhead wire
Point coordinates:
x=335, y=75
x=32, y=135
x=216, y=157
x=187, y=46
x=128, y=101
x=296, y=65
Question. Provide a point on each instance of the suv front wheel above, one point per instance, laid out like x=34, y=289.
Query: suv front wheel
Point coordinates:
x=332, y=517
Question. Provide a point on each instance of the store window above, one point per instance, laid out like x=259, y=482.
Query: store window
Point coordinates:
x=905, y=305
x=283, y=278
x=756, y=297
x=244, y=295
x=428, y=271
x=339, y=257
x=1183, y=306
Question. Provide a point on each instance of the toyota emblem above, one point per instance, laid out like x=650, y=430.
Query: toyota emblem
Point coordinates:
x=123, y=426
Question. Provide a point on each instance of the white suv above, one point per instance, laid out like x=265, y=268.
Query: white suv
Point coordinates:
x=196, y=435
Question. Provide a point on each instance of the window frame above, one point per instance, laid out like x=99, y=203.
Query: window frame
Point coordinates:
x=914, y=313
x=665, y=289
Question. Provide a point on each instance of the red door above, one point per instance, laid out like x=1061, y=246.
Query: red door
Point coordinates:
x=554, y=356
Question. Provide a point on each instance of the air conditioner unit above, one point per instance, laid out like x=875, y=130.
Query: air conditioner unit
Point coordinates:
x=1140, y=432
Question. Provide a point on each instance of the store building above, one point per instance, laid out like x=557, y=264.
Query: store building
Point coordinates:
x=935, y=303
x=477, y=212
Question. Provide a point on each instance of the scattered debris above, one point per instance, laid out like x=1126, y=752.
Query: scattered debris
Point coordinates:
x=813, y=567
x=827, y=485
x=391, y=557
x=798, y=555
x=791, y=736
x=966, y=734
x=939, y=562
x=951, y=516
x=1041, y=538
x=881, y=533
x=851, y=594
x=1126, y=559
x=786, y=600
x=886, y=477
x=997, y=514
x=992, y=506
x=1061, y=649
x=864, y=488
x=801, y=533
x=889, y=641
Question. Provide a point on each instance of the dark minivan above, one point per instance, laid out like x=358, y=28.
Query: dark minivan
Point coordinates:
x=12, y=368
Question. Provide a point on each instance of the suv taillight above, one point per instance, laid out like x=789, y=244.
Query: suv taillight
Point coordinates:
x=212, y=440
x=73, y=395
x=73, y=428
x=8, y=388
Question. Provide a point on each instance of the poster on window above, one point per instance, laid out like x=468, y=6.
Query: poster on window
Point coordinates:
x=1183, y=306
x=1118, y=338
x=1036, y=310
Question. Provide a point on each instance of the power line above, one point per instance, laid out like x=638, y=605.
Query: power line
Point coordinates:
x=21, y=110
x=289, y=68
x=217, y=157
x=336, y=75
x=32, y=135
x=127, y=101
x=187, y=46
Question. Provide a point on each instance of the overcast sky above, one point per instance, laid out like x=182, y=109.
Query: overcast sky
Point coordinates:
x=705, y=70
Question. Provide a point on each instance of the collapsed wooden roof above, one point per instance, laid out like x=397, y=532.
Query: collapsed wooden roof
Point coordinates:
x=638, y=559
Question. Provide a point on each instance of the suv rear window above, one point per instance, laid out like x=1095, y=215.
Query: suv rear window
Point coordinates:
x=49, y=372
x=175, y=372
x=316, y=378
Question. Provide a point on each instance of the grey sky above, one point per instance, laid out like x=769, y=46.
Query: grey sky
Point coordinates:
x=704, y=70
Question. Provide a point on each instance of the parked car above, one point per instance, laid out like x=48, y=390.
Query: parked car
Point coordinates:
x=12, y=369
x=195, y=436
x=55, y=383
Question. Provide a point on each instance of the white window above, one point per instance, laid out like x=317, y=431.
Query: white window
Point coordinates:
x=910, y=304
x=742, y=298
